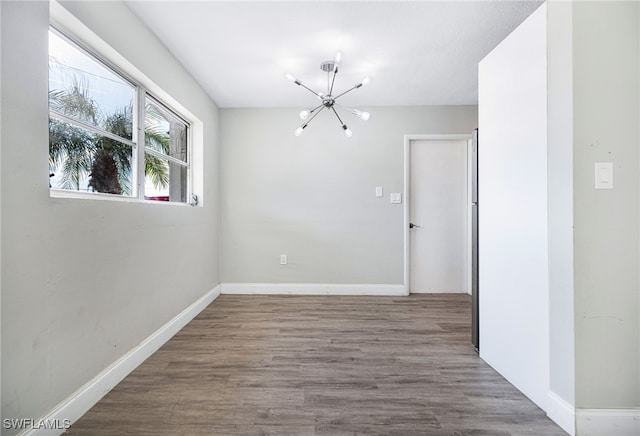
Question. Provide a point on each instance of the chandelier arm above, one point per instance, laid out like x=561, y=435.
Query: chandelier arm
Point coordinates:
x=348, y=90
x=316, y=108
x=338, y=116
x=344, y=107
x=313, y=116
x=309, y=89
x=335, y=71
x=363, y=115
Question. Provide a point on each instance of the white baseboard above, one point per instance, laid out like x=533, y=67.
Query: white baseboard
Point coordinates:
x=562, y=413
x=607, y=422
x=313, y=289
x=77, y=404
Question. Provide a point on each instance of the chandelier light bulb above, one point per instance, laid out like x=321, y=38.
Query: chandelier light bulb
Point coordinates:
x=366, y=81
x=360, y=114
x=290, y=77
x=298, y=131
x=347, y=131
x=338, y=57
x=304, y=115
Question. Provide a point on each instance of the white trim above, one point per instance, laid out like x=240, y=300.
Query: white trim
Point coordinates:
x=469, y=200
x=87, y=195
x=313, y=289
x=78, y=403
x=561, y=412
x=407, y=160
x=160, y=155
x=606, y=422
x=93, y=129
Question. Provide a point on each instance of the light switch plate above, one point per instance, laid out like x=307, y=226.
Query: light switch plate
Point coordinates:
x=378, y=191
x=604, y=175
x=396, y=197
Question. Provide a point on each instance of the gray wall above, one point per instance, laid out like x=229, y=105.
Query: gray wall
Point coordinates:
x=84, y=281
x=313, y=197
x=606, y=112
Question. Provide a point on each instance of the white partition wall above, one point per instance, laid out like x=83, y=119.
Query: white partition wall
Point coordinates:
x=514, y=301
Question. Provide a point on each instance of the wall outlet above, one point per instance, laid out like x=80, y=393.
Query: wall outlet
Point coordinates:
x=283, y=259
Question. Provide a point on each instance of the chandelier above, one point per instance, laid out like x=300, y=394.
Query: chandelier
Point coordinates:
x=328, y=100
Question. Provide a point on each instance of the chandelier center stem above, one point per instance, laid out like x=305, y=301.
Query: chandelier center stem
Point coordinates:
x=328, y=102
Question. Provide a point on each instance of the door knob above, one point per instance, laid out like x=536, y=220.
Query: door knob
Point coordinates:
x=412, y=225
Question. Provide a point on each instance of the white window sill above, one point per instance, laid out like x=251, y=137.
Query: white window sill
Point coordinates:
x=79, y=195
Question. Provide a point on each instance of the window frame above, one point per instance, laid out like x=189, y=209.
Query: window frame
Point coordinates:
x=145, y=150
x=137, y=142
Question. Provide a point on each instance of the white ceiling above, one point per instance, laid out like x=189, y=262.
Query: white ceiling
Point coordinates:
x=416, y=52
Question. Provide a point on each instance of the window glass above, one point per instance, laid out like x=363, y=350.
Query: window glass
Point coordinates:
x=166, y=154
x=84, y=89
x=82, y=160
x=90, y=123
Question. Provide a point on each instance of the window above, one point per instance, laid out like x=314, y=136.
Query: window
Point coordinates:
x=166, y=163
x=94, y=135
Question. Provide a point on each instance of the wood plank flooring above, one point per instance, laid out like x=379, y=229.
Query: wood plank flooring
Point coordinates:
x=301, y=365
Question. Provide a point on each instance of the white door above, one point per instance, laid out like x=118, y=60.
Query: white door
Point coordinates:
x=438, y=209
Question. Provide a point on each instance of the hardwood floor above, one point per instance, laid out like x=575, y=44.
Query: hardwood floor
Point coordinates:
x=300, y=365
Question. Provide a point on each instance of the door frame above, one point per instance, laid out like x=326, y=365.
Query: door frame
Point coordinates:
x=407, y=198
